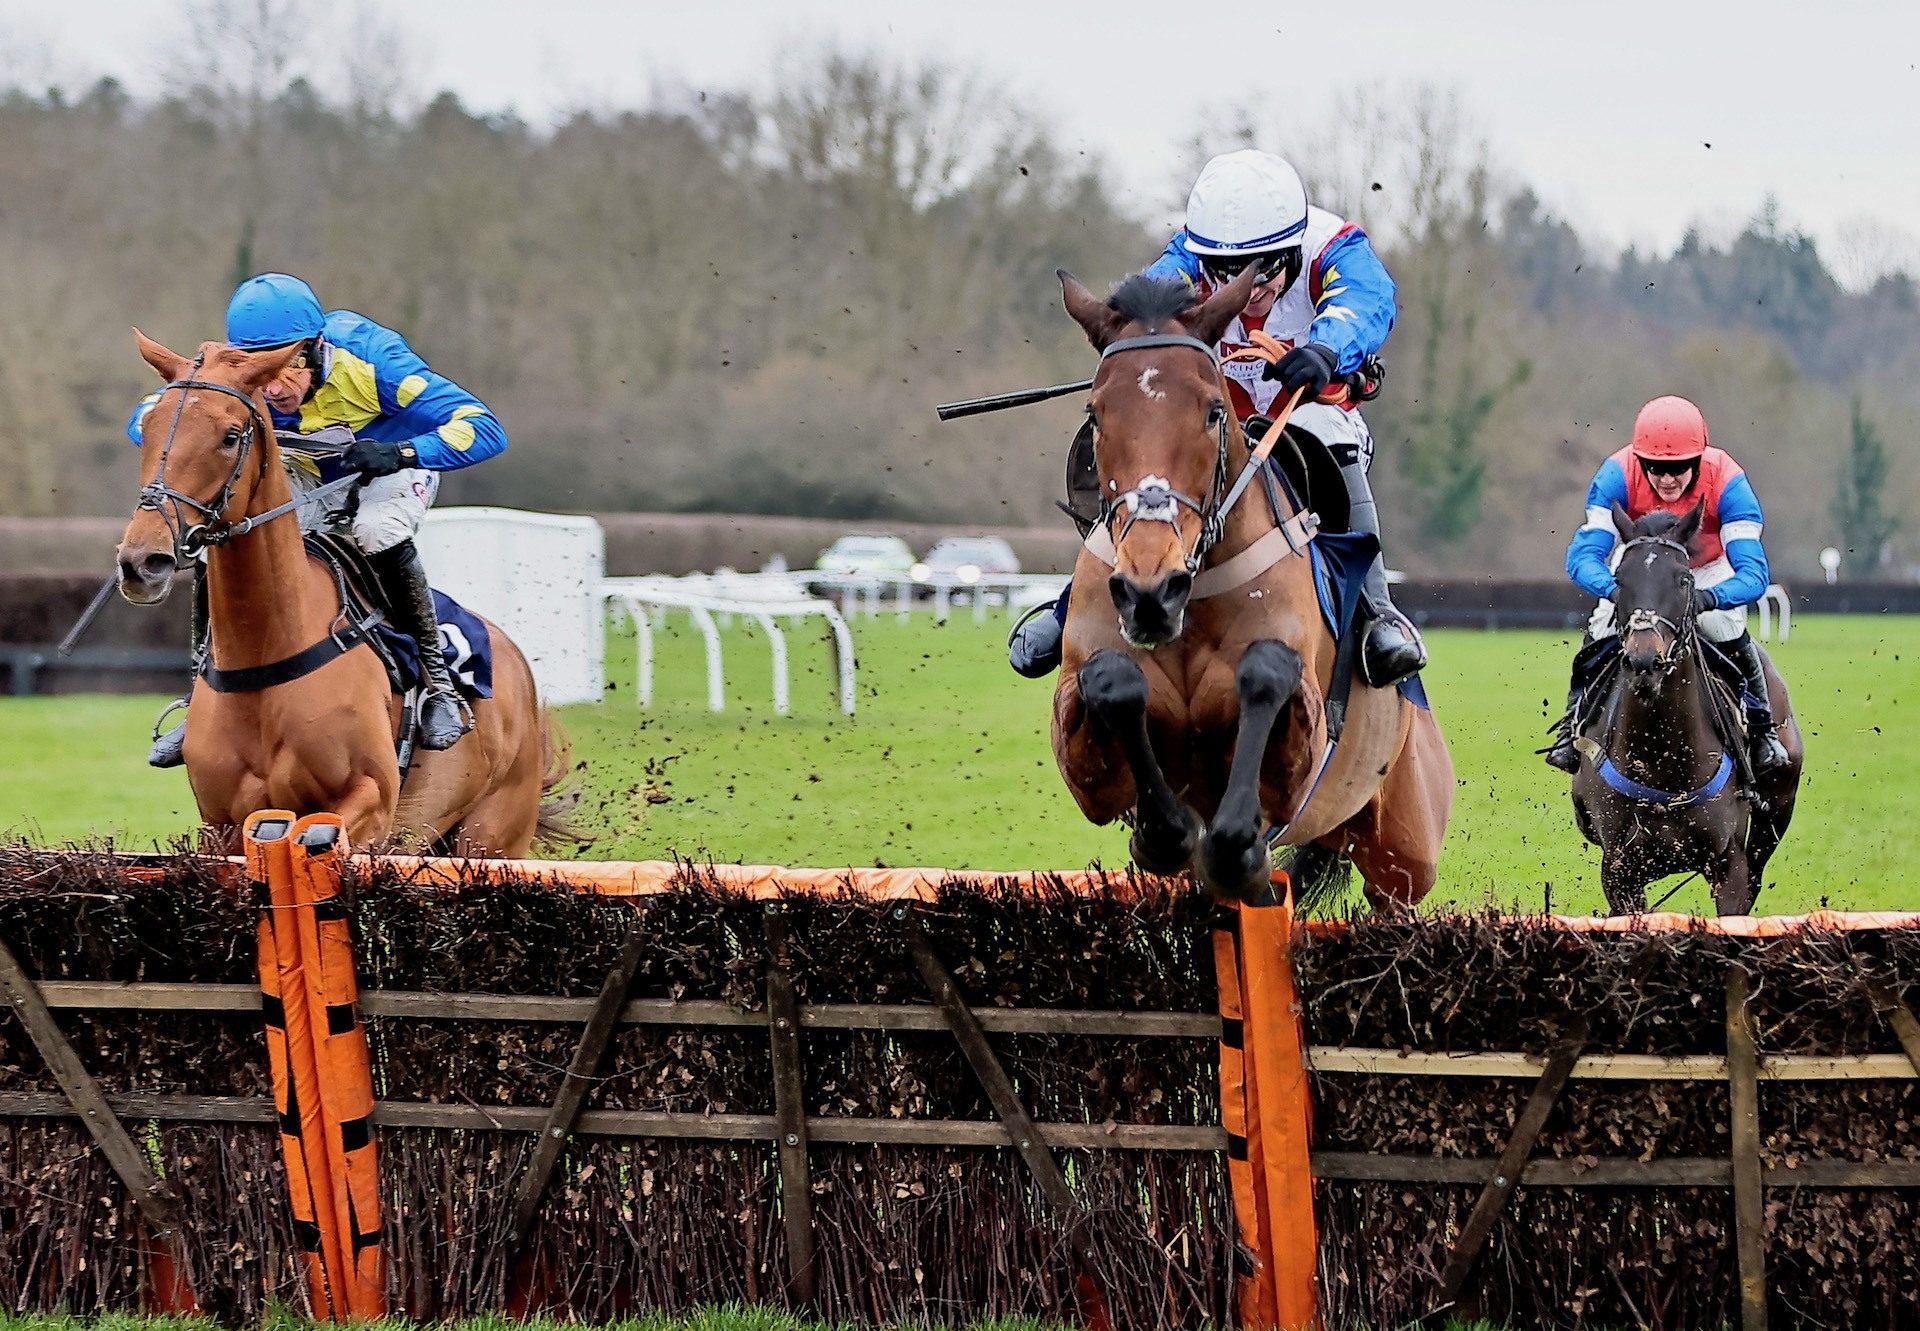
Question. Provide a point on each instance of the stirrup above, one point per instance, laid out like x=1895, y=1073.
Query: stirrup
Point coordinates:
x=1405, y=660
x=1027, y=662
x=177, y=705
x=462, y=712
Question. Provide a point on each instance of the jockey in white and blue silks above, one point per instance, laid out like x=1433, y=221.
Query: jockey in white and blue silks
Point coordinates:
x=407, y=424
x=1328, y=301
x=1669, y=466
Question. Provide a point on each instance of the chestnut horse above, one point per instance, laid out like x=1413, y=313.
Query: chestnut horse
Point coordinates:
x=323, y=741
x=1201, y=708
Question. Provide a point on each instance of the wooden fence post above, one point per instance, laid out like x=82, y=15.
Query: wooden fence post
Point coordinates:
x=1279, y=1113
x=1743, y=1096
x=1253, y=1273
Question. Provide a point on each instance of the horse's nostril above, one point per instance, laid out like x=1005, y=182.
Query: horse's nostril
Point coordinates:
x=1176, y=588
x=1124, y=592
x=155, y=566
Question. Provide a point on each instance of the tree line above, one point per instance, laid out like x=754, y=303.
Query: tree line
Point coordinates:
x=749, y=302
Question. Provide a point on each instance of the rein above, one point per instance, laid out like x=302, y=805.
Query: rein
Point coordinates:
x=1155, y=500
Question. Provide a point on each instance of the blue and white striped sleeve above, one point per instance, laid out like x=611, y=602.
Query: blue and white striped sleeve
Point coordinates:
x=1592, y=545
x=136, y=423
x=1740, y=526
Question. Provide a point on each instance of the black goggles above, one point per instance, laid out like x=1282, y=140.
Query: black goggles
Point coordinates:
x=1679, y=467
x=1223, y=268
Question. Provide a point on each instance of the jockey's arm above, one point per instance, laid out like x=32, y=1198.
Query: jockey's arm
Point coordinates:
x=451, y=428
x=1176, y=260
x=1592, y=546
x=1353, y=300
x=1740, y=525
x=137, y=422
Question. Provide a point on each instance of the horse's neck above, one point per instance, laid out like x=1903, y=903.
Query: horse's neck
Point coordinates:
x=259, y=586
x=1652, y=734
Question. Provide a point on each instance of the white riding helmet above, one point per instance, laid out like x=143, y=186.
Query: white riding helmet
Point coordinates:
x=1246, y=202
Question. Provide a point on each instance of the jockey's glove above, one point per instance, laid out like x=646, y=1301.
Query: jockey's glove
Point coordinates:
x=1704, y=600
x=1309, y=368
x=377, y=457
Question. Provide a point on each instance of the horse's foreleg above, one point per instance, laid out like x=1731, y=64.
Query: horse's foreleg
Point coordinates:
x=1233, y=854
x=1114, y=689
x=1733, y=885
x=1626, y=887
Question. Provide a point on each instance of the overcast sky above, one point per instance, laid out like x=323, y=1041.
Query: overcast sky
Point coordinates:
x=1607, y=109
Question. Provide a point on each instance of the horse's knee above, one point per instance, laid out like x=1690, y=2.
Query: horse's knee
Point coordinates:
x=1112, y=682
x=1268, y=674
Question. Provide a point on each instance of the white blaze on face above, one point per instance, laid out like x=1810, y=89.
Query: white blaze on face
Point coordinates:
x=1146, y=383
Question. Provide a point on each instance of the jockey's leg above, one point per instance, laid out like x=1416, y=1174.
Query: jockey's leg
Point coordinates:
x=169, y=749
x=1391, y=648
x=1727, y=629
x=1563, y=755
x=391, y=510
x=1033, y=648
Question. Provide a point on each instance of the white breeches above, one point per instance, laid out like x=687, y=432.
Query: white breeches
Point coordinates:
x=1334, y=427
x=389, y=510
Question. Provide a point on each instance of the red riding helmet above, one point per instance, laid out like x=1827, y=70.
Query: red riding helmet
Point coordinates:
x=1669, y=429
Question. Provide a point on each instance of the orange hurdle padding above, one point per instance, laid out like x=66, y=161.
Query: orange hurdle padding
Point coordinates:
x=340, y=1047
x=1280, y=1112
x=1253, y=1284
x=290, y=1054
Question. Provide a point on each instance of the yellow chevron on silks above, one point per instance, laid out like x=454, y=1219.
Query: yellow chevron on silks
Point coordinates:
x=457, y=433
x=349, y=397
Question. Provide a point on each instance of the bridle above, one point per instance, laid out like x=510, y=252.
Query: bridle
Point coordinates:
x=1678, y=642
x=1154, y=499
x=190, y=537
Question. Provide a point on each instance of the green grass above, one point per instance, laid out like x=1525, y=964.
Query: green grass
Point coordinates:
x=947, y=763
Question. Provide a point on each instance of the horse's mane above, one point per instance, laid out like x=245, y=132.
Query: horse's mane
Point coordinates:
x=1152, y=301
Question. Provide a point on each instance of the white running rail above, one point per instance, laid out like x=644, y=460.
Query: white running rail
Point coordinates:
x=712, y=600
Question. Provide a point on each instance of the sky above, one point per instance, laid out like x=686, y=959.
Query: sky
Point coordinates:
x=1634, y=120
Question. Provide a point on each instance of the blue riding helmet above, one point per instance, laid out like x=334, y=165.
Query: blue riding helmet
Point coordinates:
x=272, y=310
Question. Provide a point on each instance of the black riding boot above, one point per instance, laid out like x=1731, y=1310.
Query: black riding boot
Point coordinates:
x=443, y=717
x=1563, y=755
x=1033, y=648
x=169, y=749
x=1764, y=749
x=1391, y=649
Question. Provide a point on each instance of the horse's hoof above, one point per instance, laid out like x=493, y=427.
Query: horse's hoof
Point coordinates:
x=1167, y=852
x=1235, y=869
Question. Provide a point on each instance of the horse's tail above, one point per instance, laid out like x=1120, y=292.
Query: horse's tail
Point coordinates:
x=1320, y=876
x=558, y=794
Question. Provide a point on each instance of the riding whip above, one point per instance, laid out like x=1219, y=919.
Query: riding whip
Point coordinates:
x=88, y=615
x=950, y=411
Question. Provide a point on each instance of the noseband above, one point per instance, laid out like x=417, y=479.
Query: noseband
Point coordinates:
x=1154, y=499
x=190, y=537
x=1674, y=648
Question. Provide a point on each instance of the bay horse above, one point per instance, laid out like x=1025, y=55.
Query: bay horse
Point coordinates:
x=323, y=740
x=1199, y=710
x=1663, y=785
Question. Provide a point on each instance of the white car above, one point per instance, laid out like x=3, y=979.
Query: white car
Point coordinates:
x=966, y=559
x=861, y=553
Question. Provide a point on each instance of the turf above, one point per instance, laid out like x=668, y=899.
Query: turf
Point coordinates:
x=947, y=763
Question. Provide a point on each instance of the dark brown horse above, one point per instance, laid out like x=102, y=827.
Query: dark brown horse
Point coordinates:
x=323, y=742
x=1194, y=699
x=1660, y=787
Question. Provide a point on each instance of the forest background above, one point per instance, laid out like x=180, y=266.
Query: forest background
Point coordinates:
x=747, y=302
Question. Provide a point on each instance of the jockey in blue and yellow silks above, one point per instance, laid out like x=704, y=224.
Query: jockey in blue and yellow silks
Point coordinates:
x=1326, y=298
x=407, y=425
x=1669, y=465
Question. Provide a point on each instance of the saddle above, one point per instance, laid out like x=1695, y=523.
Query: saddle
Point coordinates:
x=1597, y=661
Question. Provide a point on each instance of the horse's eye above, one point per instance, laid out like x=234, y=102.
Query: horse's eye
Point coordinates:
x=231, y=439
x=1216, y=415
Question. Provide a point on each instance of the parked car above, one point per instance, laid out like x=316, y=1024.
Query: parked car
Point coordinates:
x=966, y=558
x=862, y=553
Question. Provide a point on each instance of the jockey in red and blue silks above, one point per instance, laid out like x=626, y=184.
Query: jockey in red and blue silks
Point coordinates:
x=1328, y=301
x=407, y=424
x=1669, y=465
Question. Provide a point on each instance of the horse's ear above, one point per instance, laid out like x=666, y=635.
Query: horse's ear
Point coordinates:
x=1621, y=522
x=1101, y=321
x=257, y=369
x=169, y=365
x=1689, y=525
x=1209, y=319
